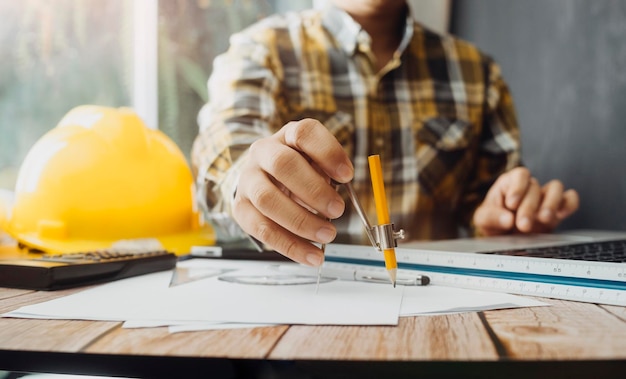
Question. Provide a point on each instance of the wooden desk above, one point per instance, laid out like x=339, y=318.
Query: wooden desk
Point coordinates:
x=568, y=339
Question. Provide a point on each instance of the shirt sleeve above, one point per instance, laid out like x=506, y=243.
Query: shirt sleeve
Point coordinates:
x=242, y=107
x=499, y=149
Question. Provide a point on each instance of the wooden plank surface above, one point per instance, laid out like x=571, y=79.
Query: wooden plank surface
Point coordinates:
x=565, y=330
x=619, y=312
x=6, y=293
x=109, y=337
x=11, y=299
x=51, y=335
x=45, y=335
x=458, y=336
x=253, y=343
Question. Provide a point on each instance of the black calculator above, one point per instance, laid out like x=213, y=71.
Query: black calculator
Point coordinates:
x=59, y=271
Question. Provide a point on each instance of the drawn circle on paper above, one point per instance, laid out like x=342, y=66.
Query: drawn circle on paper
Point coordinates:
x=274, y=280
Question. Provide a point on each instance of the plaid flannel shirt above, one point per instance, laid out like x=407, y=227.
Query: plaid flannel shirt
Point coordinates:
x=439, y=114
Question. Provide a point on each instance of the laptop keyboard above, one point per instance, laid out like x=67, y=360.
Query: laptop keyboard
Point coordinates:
x=606, y=251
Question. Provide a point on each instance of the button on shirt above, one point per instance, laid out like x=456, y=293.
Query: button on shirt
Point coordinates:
x=438, y=113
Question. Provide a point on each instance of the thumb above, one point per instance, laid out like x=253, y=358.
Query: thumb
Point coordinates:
x=490, y=219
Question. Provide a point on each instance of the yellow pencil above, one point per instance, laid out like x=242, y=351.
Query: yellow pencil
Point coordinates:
x=382, y=212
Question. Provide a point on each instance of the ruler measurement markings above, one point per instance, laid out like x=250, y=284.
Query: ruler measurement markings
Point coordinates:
x=546, y=266
x=500, y=264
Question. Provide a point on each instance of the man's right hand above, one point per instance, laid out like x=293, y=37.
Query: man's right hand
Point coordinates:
x=284, y=195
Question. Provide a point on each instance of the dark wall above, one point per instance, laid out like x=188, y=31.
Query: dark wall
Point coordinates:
x=565, y=63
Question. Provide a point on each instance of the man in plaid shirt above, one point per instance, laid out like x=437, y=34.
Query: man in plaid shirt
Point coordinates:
x=302, y=98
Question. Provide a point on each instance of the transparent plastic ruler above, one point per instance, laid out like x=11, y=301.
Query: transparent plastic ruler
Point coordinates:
x=593, y=282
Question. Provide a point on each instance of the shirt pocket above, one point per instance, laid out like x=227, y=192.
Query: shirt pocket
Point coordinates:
x=446, y=134
x=444, y=157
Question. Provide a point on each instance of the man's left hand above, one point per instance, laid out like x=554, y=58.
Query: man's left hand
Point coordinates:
x=518, y=203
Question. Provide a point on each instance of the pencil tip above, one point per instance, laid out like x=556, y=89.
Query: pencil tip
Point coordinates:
x=392, y=276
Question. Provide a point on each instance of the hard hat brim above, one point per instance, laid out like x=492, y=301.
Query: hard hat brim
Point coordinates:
x=180, y=243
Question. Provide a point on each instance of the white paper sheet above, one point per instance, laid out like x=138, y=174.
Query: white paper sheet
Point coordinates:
x=417, y=301
x=199, y=326
x=149, y=298
x=187, y=326
x=210, y=303
x=434, y=300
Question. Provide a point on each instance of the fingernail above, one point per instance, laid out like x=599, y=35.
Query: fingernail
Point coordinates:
x=335, y=209
x=524, y=223
x=344, y=172
x=545, y=215
x=505, y=220
x=325, y=235
x=314, y=259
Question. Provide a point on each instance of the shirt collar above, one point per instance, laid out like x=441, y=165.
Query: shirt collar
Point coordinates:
x=349, y=33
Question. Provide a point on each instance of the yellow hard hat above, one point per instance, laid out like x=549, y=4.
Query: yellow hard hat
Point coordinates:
x=100, y=177
x=6, y=204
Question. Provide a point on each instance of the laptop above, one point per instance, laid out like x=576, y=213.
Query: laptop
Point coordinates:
x=581, y=265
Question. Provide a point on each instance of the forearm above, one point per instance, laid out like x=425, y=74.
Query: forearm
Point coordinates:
x=243, y=93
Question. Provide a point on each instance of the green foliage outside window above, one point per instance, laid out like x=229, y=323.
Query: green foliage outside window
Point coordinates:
x=191, y=34
x=63, y=53
x=57, y=55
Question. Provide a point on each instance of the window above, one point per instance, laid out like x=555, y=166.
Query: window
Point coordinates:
x=57, y=55
x=64, y=53
x=191, y=34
